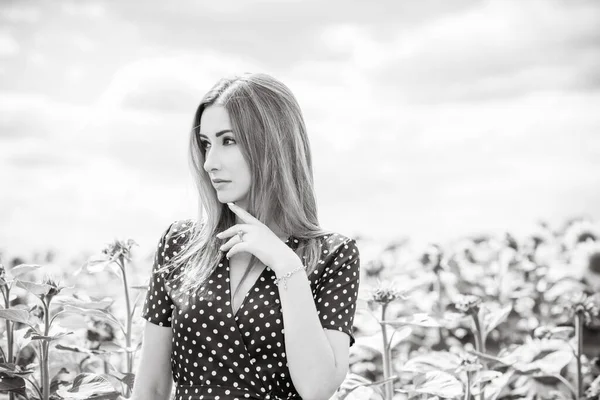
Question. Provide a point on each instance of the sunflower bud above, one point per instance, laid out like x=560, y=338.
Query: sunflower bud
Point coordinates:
x=468, y=363
x=119, y=248
x=581, y=304
x=385, y=293
x=432, y=258
x=2, y=275
x=54, y=288
x=467, y=304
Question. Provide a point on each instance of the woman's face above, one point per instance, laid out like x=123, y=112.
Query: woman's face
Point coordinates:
x=223, y=157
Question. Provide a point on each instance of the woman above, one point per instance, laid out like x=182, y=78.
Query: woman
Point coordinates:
x=256, y=301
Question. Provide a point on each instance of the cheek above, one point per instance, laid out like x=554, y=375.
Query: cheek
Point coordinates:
x=244, y=168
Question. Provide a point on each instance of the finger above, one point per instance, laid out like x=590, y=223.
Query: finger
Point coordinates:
x=243, y=214
x=233, y=230
x=237, y=248
x=230, y=243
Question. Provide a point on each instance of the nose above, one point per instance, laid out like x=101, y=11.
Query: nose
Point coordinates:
x=211, y=160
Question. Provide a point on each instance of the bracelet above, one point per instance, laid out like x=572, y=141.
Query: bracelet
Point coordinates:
x=285, y=277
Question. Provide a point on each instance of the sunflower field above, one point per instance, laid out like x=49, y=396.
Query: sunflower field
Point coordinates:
x=484, y=317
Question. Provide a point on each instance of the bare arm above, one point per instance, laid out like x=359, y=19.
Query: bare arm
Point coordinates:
x=153, y=379
x=318, y=326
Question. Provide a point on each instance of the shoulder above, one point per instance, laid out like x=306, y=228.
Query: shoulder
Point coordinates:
x=177, y=233
x=338, y=253
x=180, y=228
x=334, y=242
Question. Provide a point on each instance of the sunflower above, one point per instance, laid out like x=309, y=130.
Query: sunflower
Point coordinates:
x=118, y=248
x=585, y=263
x=580, y=303
x=581, y=231
x=385, y=293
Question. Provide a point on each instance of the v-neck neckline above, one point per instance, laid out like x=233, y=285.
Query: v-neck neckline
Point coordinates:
x=235, y=313
x=288, y=242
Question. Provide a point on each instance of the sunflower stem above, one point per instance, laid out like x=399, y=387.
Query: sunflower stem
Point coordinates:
x=128, y=353
x=388, y=388
x=468, y=388
x=479, y=345
x=579, y=337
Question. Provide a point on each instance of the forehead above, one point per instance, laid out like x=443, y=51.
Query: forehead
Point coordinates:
x=214, y=118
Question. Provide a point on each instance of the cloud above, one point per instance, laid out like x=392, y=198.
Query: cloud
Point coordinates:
x=491, y=50
x=8, y=45
x=20, y=13
x=162, y=95
x=42, y=160
x=171, y=83
x=88, y=9
x=83, y=43
x=25, y=115
x=82, y=208
x=429, y=118
x=145, y=114
x=278, y=34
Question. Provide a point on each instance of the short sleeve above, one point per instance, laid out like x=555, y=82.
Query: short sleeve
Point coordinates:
x=158, y=306
x=337, y=292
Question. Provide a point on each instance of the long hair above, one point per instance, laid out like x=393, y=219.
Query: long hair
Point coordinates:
x=270, y=129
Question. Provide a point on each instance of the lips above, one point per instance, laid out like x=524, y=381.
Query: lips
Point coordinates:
x=220, y=183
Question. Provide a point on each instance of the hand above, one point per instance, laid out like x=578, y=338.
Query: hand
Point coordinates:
x=258, y=240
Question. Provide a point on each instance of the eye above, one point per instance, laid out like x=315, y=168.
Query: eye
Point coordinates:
x=204, y=144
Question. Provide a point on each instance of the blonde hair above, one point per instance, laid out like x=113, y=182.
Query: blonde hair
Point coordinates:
x=270, y=130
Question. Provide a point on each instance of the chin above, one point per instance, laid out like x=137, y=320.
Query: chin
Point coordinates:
x=223, y=199
x=226, y=198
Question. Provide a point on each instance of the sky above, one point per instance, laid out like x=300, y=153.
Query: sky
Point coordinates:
x=427, y=120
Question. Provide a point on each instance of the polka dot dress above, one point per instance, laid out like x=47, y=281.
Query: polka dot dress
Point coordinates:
x=217, y=354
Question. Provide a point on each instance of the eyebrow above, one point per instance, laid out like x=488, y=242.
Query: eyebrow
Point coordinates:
x=220, y=133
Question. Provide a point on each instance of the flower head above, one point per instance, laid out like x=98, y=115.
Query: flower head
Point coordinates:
x=540, y=235
x=374, y=267
x=54, y=288
x=468, y=362
x=585, y=263
x=467, y=304
x=581, y=304
x=2, y=275
x=385, y=293
x=432, y=258
x=581, y=231
x=119, y=248
x=116, y=252
x=100, y=331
